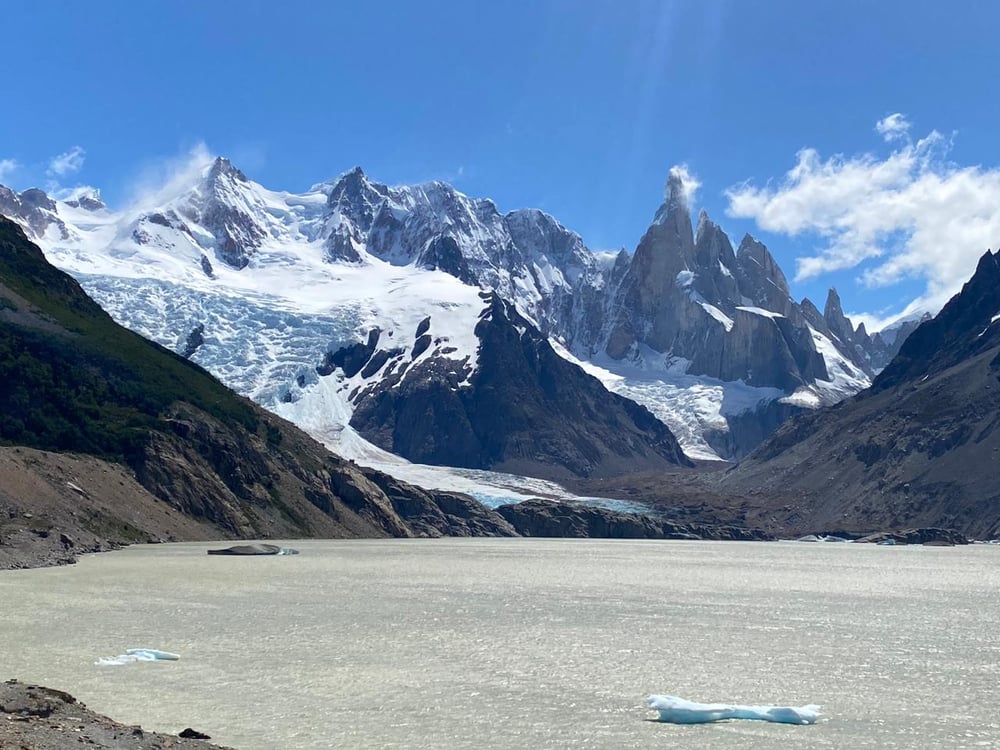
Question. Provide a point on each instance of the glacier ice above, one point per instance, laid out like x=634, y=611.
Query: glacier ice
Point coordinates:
x=676, y=710
x=132, y=655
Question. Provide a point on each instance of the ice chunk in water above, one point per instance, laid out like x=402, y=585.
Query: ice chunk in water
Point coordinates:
x=136, y=654
x=679, y=711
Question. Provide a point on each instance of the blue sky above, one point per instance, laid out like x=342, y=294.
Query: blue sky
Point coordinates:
x=578, y=107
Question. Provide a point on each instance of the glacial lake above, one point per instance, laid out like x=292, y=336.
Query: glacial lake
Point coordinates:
x=517, y=643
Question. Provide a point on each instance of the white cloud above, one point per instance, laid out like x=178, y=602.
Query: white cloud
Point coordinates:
x=67, y=163
x=689, y=182
x=909, y=215
x=893, y=127
x=7, y=167
x=165, y=179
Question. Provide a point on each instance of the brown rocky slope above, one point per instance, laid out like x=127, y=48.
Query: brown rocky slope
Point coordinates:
x=921, y=447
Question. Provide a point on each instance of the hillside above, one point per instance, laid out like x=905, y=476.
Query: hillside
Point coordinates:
x=919, y=448
x=130, y=442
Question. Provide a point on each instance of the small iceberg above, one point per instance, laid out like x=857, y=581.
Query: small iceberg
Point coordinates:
x=132, y=655
x=676, y=710
x=254, y=550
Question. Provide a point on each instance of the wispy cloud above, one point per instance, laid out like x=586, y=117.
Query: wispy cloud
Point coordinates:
x=7, y=168
x=912, y=214
x=67, y=163
x=689, y=182
x=162, y=180
x=893, y=127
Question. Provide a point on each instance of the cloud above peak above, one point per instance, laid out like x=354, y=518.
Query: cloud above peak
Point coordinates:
x=67, y=163
x=911, y=214
x=680, y=173
x=7, y=168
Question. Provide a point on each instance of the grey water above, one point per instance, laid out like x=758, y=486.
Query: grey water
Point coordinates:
x=520, y=643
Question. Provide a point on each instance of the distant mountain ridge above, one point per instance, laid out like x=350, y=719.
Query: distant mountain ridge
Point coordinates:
x=276, y=284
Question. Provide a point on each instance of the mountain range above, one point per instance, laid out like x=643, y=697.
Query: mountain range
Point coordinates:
x=364, y=313
x=487, y=348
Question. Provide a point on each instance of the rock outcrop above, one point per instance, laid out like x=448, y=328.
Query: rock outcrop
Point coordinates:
x=544, y=518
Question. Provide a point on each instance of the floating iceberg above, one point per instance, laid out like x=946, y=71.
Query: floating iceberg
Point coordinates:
x=679, y=711
x=136, y=654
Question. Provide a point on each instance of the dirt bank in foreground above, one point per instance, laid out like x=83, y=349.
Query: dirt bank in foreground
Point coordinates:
x=57, y=506
x=39, y=718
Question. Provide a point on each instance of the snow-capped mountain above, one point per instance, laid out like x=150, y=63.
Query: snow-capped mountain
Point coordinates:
x=324, y=306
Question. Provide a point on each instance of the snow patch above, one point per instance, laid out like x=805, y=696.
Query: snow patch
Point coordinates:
x=761, y=311
x=690, y=405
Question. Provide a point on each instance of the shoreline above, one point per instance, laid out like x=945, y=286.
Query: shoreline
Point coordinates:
x=42, y=718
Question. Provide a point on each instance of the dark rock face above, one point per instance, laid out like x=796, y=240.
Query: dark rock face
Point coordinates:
x=750, y=428
x=351, y=358
x=444, y=254
x=525, y=409
x=194, y=341
x=762, y=281
x=917, y=449
x=544, y=518
x=917, y=536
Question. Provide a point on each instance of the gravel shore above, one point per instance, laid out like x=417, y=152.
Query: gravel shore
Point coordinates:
x=40, y=718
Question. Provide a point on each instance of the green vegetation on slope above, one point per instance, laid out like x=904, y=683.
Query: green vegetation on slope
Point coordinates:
x=71, y=379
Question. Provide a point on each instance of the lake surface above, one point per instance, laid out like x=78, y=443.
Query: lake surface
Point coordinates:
x=523, y=643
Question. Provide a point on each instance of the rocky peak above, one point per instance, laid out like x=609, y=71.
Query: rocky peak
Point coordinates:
x=713, y=263
x=675, y=215
x=541, y=237
x=89, y=199
x=813, y=316
x=966, y=326
x=224, y=203
x=353, y=202
x=223, y=168
x=33, y=209
x=36, y=198
x=861, y=336
x=356, y=196
x=838, y=323
x=761, y=279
